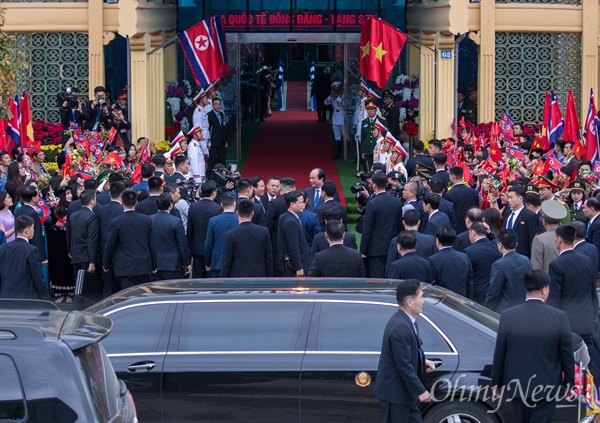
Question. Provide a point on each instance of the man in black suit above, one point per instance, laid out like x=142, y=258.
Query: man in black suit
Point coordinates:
x=524, y=222
x=247, y=248
x=148, y=206
x=76, y=205
x=436, y=219
x=276, y=208
x=246, y=191
x=409, y=194
x=107, y=213
x=218, y=135
x=29, y=198
x=320, y=243
x=259, y=191
x=410, y=265
x=401, y=374
x=533, y=358
x=104, y=197
x=182, y=168
x=582, y=246
x=328, y=193
x=461, y=196
x=383, y=219
x=419, y=161
x=199, y=214
x=506, y=277
x=314, y=192
x=482, y=254
x=20, y=265
x=451, y=269
x=436, y=185
x=172, y=251
x=130, y=250
x=292, y=255
x=440, y=174
x=474, y=215
x=573, y=285
x=84, y=239
x=425, y=248
x=591, y=211
x=271, y=192
x=337, y=260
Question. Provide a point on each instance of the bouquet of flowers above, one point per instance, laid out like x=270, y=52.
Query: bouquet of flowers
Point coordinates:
x=406, y=90
x=590, y=178
x=494, y=187
x=513, y=163
x=560, y=180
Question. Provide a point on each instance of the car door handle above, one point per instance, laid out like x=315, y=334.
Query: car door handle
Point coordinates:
x=142, y=365
x=436, y=361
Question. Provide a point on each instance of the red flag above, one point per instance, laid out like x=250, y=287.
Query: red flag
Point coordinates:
x=380, y=45
x=571, y=132
x=26, y=123
x=113, y=159
x=552, y=164
x=136, y=176
x=66, y=167
x=205, y=48
x=495, y=153
x=556, y=125
x=13, y=131
x=546, y=122
x=539, y=168
x=3, y=138
x=590, y=131
x=111, y=134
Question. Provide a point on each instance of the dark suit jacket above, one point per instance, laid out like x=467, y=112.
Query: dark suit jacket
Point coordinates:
x=573, y=290
x=247, y=252
x=337, y=261
x=443, y=176
x=436, y=221
x=148, y=206
x=462, y=198
x=85, y=237
x=276, y=208
x=593, y=236
x=425, y=248
x=172, y=251
x=424, y=217
x=325, y=207
x=420, y=159
x=507, y=287
x=452, y=270
x=447, y=208
x=260, y=217
x=106, y=215
x=102, y=198
x=265, y=201
x=526, y=226
x=462, y=241
x=589, y=250
x=311, y=225
x=38, y=236
x=320, y=243
x=411, y=266
x=217, y=130
x=533, y=347
x=176, y=176
x=198, y=216
x=310, y=200
x=292, y=243
x=130, y=248
x=218, y=226
x=400, y=374
x=383, y=219
x=482, y=254
x=21, y=271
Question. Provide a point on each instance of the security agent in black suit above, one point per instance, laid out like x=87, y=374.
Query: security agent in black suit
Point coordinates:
x=401, y=374
x=104, y=197
x=337, y=260
x=425, y=248
x=436, y=185
x=591, y=211
x=246, y=192
x=76, y=205
x=29, y=198
x=293, y=252
x=383, y=219
x=328, y=192
x=451, y=269
x=410, y=265
x=247, y=248
x=172, y=251
x=320, y=243
x=83, y=243
x=149, y=206
x=418, y=161
x=276, y=208
x=524, y=222
x=440, y=173
x=573, y=285
x=271, y=192
x=437, y=219
x=20, y=265
x=582, y=246
x=482, y=254
x=533, y=359
x=218, y=135
x=317, y=179
x=106, y=215
x=461, y=196
x=474, y=215
x=199, y=214
x=182, y=168
x=411, y=201
x=130, y=250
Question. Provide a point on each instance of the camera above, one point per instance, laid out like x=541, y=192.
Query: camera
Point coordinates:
x=395, y=190
x=187, y=189
x=355, y=189
x=222, y=175
x=68, y=96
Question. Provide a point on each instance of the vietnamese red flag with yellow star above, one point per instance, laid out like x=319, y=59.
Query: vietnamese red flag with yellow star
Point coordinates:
x=380, y=47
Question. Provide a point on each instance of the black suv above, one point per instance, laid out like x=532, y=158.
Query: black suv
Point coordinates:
x=53, y=368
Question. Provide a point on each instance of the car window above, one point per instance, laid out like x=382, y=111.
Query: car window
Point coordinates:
x=359, y=328
x=241, y=326
x=136, y=329
x=12, y=403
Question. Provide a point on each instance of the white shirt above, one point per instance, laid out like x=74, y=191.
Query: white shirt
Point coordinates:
x=514, y=217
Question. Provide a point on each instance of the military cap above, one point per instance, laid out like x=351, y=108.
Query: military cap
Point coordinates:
x=169, y=160
x=423, y=174
x=194, y=129
x=553, y=211
x=543, y=182
x=373, y=94
x=531, y=189
x=336, y=84
x=388, y=93
x=577, y=185
x=370, y=105
x=380, y=126
x=390, y=138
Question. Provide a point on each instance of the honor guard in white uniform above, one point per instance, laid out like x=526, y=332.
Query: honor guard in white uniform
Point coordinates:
x=379, y=132
x=336, y=100
x=197, y=152
x=397, y=155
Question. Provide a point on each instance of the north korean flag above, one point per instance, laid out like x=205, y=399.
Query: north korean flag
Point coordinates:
x=515, y=152
x=205, y=48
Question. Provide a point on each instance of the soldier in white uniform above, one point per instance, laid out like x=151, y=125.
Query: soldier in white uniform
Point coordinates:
x=197, y=152
x=336, y=100
x=379, y=132
x=397, y=155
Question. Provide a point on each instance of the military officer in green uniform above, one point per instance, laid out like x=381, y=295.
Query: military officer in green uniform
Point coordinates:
x=577, y=197
x=367, y=138
x=547, y=192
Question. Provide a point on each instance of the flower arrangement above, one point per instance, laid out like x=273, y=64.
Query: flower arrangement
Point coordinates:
x=560, y=180
x=162, y=146
x=178, y=98
x=406, y=90
x=588, y=176
x=494, y=187
x=47, y=133
x=411, y=128
x=51, y=153
x=512, y=162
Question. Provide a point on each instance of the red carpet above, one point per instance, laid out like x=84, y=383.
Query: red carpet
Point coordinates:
x=291, y=144
x=297, y=95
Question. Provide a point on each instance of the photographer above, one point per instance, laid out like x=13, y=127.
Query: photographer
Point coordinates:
x=70, y=111
x=96, y=111
x=225, y=179
x=121, y=125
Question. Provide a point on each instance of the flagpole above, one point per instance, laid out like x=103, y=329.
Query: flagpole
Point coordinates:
x=163, y=45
